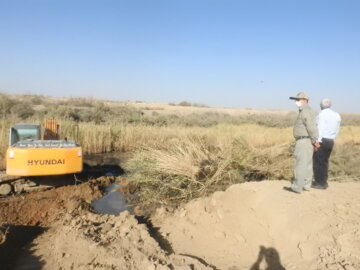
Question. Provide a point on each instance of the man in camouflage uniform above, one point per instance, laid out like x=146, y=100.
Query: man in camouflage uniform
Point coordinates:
x=306, y=136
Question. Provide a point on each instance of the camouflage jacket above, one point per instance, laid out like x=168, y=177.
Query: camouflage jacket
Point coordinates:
x=305, y=124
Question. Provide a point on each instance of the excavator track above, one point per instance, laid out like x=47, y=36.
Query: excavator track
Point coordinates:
x=13, y=185
x=10, y=185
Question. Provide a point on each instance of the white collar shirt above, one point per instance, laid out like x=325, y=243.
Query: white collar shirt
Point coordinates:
x=328, y=123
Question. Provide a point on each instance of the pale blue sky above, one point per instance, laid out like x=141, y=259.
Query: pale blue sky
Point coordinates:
x=222, y=53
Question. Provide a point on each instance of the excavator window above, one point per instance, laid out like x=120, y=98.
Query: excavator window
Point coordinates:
x=21, y=132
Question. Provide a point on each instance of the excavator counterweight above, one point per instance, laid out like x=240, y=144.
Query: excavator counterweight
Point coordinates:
x=32, y=153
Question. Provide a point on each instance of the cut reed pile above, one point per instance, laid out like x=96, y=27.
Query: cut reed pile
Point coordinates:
x=195, y=166
x=202, y=161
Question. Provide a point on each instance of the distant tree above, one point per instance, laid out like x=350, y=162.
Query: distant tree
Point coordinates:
x=185, y=104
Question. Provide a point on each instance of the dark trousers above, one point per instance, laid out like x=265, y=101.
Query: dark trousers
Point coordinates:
x=321, y=161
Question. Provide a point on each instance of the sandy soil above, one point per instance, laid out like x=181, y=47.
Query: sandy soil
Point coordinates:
x=261, y=226
x=106, y=242
x=58, y=229
x=252, y=226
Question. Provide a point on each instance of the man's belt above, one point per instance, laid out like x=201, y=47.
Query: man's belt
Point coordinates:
x=302, y=137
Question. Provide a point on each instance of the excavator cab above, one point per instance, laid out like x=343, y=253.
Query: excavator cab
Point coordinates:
x=30, y=155
x=22, y=132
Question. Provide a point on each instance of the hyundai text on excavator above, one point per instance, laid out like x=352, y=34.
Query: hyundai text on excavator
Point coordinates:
x=33, y=153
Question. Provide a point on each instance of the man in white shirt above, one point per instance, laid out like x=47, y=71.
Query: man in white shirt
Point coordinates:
x=328, y=124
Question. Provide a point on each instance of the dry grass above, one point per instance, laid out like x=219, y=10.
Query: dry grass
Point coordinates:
x=185, y=152
x=349, y=134
x=195, y=165
x=198, y=161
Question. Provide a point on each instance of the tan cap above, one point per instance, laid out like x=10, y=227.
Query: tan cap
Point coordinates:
x=301, y=95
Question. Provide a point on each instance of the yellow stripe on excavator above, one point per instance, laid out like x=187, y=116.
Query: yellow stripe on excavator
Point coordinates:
x=43, y=161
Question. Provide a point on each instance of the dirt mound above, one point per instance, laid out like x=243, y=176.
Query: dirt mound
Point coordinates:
x=261, y=226
x=105, y=242
x=58, y=229
x=252, y=226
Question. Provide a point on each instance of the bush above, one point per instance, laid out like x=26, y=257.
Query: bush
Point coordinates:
x=188, y=104
x=63, y=112
x=22, y=110
x=5, y=104
x=79, y=102
x=344, y=162
x=18, y=108
x=185, y=104
x=37, y=100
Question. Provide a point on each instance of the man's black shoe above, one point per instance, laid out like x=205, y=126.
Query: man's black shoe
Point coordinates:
x=316, y=186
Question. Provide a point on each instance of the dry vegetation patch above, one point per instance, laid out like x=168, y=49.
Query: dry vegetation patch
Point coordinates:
x=181, y=152
x=195, y=166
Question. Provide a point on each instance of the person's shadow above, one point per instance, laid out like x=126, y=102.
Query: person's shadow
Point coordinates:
x=271, y=257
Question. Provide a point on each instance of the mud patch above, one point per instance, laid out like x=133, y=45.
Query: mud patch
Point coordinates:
x=45, y=207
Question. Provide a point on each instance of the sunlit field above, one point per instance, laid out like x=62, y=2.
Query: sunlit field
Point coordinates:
x=178, y=157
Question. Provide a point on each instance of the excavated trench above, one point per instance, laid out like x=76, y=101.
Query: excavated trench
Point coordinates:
x=248, y=226
x=15, y=251
x=27, y=216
